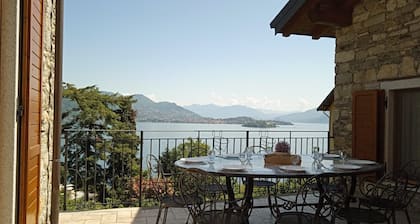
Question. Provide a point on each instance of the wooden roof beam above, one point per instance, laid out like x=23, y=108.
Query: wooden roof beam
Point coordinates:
x=331, y=13
x=317, y=31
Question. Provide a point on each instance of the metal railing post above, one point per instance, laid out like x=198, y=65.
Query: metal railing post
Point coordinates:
x=290, y=137
x=141, y=168
x=247, y=139
x=328, y=142
x=65, y=170
x=198, y=144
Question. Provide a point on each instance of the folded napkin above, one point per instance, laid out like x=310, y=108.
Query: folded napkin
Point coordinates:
x=280, y=158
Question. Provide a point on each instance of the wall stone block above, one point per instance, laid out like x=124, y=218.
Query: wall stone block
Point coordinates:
x=371, y=75
x=417, y=12
x=361, y=17
x=407, y=67
x=414, y=26
x=388, y=71
x=378, y=19
x=361, y=55
x=344, y=56
x=344, y=78
x=378, y=37
x=377, y=49
x=391, y=5
x=342, y=68
x=399, y=32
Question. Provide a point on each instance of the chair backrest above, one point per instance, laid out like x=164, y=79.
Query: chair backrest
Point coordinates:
x=201, y=192
x=154, y=167
x=161, y=185
x=397, y=188
x=410, y=174
x=310, y=193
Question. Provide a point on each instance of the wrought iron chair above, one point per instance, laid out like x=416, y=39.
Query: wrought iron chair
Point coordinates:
x=209, y=205
x=405, y=182
x=368, y=211
x=308, y=206
x=164, y=188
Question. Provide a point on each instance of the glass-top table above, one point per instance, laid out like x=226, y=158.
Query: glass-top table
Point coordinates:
x=231, y=166
x=255, y=168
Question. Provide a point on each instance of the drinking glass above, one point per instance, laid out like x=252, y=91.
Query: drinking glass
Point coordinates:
x=249, y=152
x=211, y=156
x=295, y=160
x=343, y=156
x=242, y=157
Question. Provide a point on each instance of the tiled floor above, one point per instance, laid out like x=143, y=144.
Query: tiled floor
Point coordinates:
x=175, y=216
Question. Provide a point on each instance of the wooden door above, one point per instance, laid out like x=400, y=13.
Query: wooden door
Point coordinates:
x=368, y=125
x=30, y=140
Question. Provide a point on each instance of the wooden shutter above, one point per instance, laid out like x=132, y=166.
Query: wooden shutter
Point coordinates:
x=368, y=125
x=30, y=141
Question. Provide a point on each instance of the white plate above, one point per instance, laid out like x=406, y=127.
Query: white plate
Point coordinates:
x=330, y=156
x=361, y=162
x=346, y=166
x=292, y=168
x=234, y=167
x=193, y=160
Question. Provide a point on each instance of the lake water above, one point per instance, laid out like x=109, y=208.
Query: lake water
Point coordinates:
x=155, y=130
x=302, y=137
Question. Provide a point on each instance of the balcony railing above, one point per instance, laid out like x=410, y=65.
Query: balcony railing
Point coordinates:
x=107, y=168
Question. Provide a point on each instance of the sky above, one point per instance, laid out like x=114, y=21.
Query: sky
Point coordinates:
x=219, y=52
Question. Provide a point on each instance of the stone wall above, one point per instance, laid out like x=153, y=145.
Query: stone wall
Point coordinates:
x=47, y=123
x=383, y=43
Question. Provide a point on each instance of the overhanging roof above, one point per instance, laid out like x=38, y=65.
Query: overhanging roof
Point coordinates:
x=327, y=102
x=316, y=18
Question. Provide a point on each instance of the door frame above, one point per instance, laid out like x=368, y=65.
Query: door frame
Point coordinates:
x=390, y=87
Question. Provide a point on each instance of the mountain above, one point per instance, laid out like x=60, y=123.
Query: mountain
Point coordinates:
x=310, y=116
x=148, y=110
x=215, y=111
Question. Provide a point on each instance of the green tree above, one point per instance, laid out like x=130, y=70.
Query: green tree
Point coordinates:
x=101, y=143
x=187, y=149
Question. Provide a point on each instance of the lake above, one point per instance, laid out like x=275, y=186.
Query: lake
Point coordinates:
x=155, y=130
x=302, y=137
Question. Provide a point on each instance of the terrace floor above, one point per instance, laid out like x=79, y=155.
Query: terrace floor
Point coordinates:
x=175, y=216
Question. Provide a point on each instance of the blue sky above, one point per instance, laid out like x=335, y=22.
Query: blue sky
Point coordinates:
x=195, y=52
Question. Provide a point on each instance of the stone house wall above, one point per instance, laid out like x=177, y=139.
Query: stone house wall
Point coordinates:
x=383, y=43
x=47, y=116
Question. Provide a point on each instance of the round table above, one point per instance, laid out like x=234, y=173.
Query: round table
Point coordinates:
x=255, y=168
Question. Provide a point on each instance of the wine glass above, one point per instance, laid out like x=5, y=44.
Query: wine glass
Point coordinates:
x=242, y=157
x=295, y=160
x=211, y=156
x=343, y=156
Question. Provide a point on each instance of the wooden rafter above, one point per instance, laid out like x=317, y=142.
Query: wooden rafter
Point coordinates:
x=316, y=18
x=332, y=12
x=318, y=30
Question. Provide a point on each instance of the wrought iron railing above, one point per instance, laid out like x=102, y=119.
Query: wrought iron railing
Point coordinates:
x=106, y=168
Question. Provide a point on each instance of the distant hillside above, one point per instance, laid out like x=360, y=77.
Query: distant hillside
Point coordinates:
x=215, y=111
x=148, y=110
x=310, y=116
